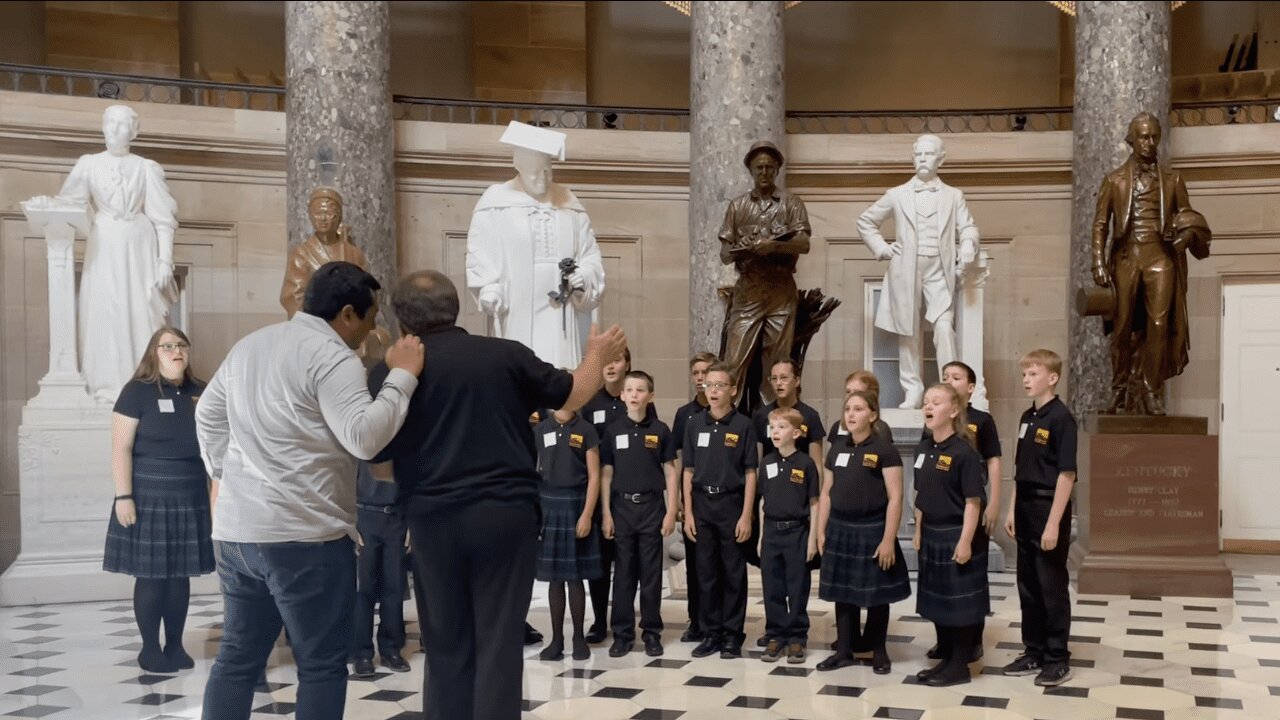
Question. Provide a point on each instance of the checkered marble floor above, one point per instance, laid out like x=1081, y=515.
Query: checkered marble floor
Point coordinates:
x=1144, y=658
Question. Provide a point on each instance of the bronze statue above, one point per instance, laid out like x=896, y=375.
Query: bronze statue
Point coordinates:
x=763, y=234
x=330, y=242
x=1140, y=267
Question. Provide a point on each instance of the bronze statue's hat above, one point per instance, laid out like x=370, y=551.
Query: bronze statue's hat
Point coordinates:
x=763, y=146
x=326, y=192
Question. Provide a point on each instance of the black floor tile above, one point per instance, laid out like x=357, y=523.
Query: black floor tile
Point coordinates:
x=582, y=673
x=655, y=714
x=669, y=664
x=389, y=695
x=788, y=671
x=1220, y=703
x=756, y=703
x=36, y=711
x=1144, y=632
x=1264, y=639
x=1204, y=626
x=1125, y=713
x=1145, y=613
x=1143, y=655
x=893, y=713
x=703, y=681
x=617, y=693
x=1213, y=672
x=986, y=702
x=846, y=690
x=529, y=705
x=1210, y=647
x=37, y=655
x=1141, y=681
x=157, y=699
x=407, y=715
x=36, y=690
x=1067, y=691
x=276, y=708
x=37, y=671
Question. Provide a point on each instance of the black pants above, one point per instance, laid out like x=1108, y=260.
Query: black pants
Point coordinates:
x=694, y=592
x=1043, y=580
x=599, y=588
x=785, y=574
x=638, y=543
x=419, y=594
x=477, y=565
x=380, y=575
x=752, y=550
x=722, y=566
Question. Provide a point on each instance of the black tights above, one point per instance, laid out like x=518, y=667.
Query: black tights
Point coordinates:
x=577, y=608
x=156, y=600
x=872, y=637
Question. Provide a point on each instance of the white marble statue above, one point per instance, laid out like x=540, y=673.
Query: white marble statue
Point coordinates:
x=127, y=286
x=520, y=232
x=936, y=241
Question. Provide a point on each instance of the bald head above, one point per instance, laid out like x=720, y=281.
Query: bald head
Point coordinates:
x=424, y=301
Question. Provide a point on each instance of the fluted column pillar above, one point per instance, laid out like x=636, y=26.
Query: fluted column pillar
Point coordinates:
x=1122, y=68
x=339, y=127
x=736, y=98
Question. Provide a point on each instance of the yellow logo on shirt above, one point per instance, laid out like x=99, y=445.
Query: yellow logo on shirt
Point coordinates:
x=1042, y=436
x=731, y=440
x=651, y=442
x=944, y=463
x=973, y=428
x=870, y=460
x=575, y=440
x=797, y=475
x=804, y=429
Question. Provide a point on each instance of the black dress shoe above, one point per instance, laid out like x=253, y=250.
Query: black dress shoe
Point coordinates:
x=880, y=663
x=531, y=636
x=620, y=648
x=395, y=663
x=597, y=634
x=709, y=646
x=692, y=634
x=934, y=653
x=836, y=662
x=581, y=650
x=929, y=672
x=762, y=641
x=363, y=668
x=552, y=652
x=948, y=676
x=731, y=650
x=652, y=645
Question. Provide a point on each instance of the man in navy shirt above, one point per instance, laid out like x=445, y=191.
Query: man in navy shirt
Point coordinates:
x=464, y=464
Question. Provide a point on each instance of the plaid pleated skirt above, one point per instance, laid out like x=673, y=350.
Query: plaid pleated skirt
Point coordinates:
x=171, y=536
x=949, y=594
x=850, y=572
x=562, y=556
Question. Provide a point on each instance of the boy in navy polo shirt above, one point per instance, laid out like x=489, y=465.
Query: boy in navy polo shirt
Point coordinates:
x=719, y=456
x=790, y=489
x=638, y=456
x=380, y=574
x=698, y=365
x=1039, y=519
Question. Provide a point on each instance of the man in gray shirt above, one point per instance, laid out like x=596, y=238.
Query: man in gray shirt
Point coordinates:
x=280, y=427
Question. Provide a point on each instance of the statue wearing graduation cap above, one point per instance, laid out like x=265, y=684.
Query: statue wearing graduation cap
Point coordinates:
x=532, y=259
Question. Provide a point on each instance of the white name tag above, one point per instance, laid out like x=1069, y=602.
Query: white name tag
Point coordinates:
x=548, y=439
x=622, y=442
x=166, y=405
x=919, y=461
x=1022, y=430
x=771, y=469
x=597, y=417
x=842, y=460
x=704, y=439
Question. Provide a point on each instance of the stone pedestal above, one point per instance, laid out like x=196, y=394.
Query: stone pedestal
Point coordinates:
x=1148, y=510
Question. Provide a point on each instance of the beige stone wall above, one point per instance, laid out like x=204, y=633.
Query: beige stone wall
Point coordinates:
x=225, y=168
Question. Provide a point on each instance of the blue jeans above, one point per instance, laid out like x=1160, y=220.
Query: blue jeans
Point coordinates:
x=308, y=588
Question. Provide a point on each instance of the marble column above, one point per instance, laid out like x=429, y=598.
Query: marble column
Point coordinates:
x=340, y=132
x=1122, y=69
x=736, y=98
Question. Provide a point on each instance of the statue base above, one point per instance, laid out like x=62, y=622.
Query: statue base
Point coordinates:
x=1149, y=508
x=64, y=457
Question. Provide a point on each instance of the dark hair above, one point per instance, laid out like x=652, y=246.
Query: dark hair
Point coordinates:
x=795, y=367
x=973, y=377
x=424, y=301
x=724, y=367
x=336, y=285
x=149, y=369
x=640, y=375
x=702, y=357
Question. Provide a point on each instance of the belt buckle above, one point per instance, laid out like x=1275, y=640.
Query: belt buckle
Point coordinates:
x=633, y=498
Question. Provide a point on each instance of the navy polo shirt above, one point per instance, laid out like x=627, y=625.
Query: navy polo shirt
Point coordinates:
x=683, y=415
x=166, y=415
x=1046, y=444
x=562, y=451
x=857, y=475
x=372, y=491
x=719, y=451
x=466, y=436
x=810, y=428
x=637, y=452
x=788, y=484
x=880, y=429
x=947, y=473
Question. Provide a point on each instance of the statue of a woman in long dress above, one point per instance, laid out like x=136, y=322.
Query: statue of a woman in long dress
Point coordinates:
x=127, y=286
